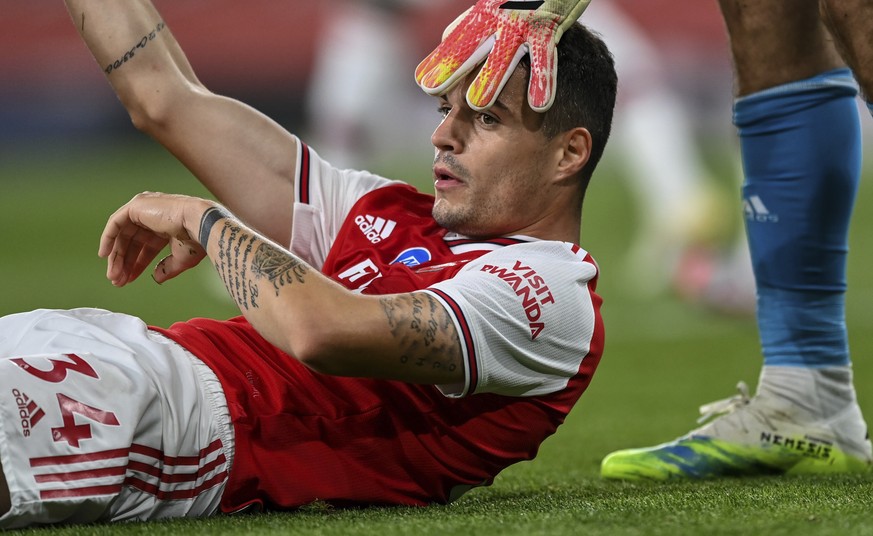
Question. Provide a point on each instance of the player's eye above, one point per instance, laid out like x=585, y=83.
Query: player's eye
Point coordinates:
x=444, y=110
x=488, y=119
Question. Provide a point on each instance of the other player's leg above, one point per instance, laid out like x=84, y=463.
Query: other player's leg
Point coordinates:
x=851, y=24
x=800, y=139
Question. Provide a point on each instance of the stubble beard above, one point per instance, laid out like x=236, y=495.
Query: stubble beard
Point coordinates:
x=458, y=219
x=448, y=217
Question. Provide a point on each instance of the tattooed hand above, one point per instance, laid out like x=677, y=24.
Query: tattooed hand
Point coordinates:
x=143, y=227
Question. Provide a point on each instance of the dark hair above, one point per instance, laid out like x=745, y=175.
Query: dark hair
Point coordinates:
x=585, y=92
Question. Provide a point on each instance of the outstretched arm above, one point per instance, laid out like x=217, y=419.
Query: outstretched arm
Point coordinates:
x=244, y=158
x=407, y=337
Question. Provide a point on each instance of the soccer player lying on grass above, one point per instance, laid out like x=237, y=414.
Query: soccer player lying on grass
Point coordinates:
x=436, y=339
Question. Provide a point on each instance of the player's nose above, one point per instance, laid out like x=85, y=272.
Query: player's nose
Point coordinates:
x=447, y=136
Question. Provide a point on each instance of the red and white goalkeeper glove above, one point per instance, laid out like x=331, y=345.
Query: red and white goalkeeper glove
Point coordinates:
x=504, y=31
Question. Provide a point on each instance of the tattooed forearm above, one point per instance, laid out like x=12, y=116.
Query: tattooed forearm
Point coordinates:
x=142, y=43
x=230, y=241
x=245, y=258
x=278, y=266
x=423, y=330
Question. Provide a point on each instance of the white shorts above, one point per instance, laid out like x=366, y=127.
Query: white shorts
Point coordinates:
x=102, y=419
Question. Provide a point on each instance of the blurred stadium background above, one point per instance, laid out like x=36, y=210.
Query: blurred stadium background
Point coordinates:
x=69, y=157
x=263, y=52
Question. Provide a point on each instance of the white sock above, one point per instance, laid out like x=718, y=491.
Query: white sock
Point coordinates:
x=821, y=393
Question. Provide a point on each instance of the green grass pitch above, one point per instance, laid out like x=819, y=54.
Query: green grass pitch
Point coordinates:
x=663, y=359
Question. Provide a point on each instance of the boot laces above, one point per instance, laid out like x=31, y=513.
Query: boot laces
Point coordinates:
x=725, y=405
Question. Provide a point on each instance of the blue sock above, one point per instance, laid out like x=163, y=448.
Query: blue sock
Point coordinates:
x=801, y=148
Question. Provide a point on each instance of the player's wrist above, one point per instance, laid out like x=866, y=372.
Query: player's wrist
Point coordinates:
x=210, y=214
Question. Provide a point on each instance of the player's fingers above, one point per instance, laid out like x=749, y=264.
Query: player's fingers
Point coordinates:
x=121, y=235
x=119, y=229
x=148, y=251
x=185, y=254
x=114, y=225
x=163, y=214
x=135, y=248
x=137, y=231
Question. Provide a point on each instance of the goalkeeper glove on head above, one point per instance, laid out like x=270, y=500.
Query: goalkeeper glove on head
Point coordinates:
x=503, y=31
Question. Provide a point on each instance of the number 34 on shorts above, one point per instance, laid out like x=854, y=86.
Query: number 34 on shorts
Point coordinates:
x=66, y=417
x=71, y=430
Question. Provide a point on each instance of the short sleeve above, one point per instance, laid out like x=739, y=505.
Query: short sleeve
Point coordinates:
x=526, y=314
x=323, y=197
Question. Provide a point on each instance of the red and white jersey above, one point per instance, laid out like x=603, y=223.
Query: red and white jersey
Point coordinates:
x=532, y=336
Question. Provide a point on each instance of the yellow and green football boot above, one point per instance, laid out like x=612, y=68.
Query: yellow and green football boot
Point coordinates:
x=751, y=437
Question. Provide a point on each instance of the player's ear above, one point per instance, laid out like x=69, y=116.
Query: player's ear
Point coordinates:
x=575, y=149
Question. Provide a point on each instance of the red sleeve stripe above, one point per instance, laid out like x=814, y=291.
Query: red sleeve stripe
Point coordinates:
x=466, y=338
x=303, y=175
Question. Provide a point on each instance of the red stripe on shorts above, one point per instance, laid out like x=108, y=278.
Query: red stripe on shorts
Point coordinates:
x=176, y=494
x=78, y=458
x=89, y=491
x=175, y=478
x=81, y=475
x=132, y=465
x=176, y=460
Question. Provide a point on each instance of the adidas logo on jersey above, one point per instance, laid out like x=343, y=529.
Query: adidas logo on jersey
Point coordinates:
x=755, y=210
x=375, y=228
x=28, y=412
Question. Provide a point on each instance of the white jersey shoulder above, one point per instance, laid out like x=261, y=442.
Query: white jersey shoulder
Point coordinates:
x=324, y=196
x=526, y=316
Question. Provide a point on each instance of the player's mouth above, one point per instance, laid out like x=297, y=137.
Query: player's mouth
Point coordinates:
x=444, y=178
